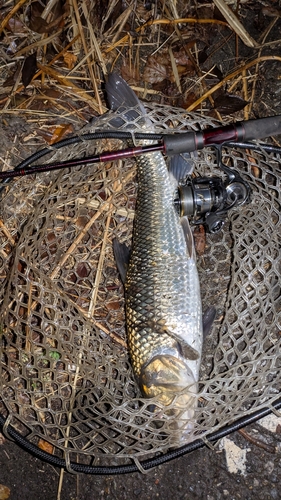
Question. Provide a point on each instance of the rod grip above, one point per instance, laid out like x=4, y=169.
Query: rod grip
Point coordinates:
x=182, y=143
x=262, y=127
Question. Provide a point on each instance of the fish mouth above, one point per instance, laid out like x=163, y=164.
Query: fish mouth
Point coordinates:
x=166, y=376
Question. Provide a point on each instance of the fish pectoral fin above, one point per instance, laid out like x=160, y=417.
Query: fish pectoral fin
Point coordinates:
x=209, y=317
x=188, y=235
x=122, y=256
x=186, y=349
x=189, y=352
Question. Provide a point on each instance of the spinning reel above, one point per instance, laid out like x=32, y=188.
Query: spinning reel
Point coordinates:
x=207, y=200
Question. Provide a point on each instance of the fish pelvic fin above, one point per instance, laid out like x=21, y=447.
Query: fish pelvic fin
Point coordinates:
x=209, y=317
x=185, y=349
x=189, y=240
x=122, y=257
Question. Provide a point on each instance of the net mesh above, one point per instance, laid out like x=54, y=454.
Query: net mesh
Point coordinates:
x=66, y=381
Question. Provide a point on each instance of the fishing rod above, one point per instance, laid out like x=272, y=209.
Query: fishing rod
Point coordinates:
x=205, y=200
x=170, y=144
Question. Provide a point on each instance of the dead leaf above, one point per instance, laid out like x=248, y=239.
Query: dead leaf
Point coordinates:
x=81, y=221
x=52, y=93
x=199, y=235
x=215, y=74
x=130, y=74
x=186, y=100
x=45, y=446
x=70, y=59
x=181, y=55
x=226, y=104
x=271, y=11
x=4, y=492
x=82, y=270
x=202, y=56
x=255, y=169
x=158, y=67
x=37, y=9
x=38, y=24
x=11, y=80
x=114, y=305
x=29, y=69
x=16, y=26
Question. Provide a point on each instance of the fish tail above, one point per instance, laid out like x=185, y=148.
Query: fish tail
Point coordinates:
x=122, y=98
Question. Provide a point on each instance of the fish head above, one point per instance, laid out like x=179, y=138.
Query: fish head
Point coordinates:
x=165, y=376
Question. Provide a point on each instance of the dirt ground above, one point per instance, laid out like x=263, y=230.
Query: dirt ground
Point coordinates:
x=245, y=472
x=239, y=467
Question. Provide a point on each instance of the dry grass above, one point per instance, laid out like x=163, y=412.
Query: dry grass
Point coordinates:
x=76, y=43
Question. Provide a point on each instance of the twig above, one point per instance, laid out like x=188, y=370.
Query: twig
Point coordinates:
x=27, y=330
x=173, y=7
x=80, y=93
x=7, y=233
x=230, y=76
x=235, y=24
x=175, y=69
x=93, y=40
x=122, y=21
x=111, y=6
x=99, y=268
x=267, y=447
x=69, y=418
x=269, y=28
x=245, y=92
x=60, y=54
x=48, y=8
x=99, y=325
x=36, y=45
x=11, y=14
x=187, y=20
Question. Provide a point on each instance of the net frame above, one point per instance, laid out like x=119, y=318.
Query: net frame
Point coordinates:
x=66, y=380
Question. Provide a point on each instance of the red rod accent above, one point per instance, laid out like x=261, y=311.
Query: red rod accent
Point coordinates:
x=219, y=135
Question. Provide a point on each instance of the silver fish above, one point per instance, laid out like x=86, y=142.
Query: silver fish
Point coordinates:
x=162, y=292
